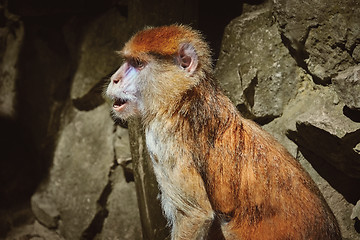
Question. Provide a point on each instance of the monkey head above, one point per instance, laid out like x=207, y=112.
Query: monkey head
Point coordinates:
x=160, y=64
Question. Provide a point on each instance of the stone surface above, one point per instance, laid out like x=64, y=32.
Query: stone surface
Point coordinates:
x=321, y=36
x=323, y=130
x=357, y=148
x=45, y=211
x=123, y=221
x=279, y=126
x=80, y=172
x=87, y=186
x=34, y=231
x=356, y=54
x=356, y=211
x=97, y=51
x=15, y=217
x=88, y=195
x=122, y=146
x=347, y=86
x=327, y=47
x=255, y=67
x=11, y=39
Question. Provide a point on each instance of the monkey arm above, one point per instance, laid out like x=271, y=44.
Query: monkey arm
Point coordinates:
x=184, y=200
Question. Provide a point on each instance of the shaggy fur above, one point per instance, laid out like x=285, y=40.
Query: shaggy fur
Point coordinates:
x=221, y=176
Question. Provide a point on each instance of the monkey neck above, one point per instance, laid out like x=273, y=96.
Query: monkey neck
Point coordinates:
x=201, y=110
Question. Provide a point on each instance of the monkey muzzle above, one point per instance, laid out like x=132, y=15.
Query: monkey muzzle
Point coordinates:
x=119, y=104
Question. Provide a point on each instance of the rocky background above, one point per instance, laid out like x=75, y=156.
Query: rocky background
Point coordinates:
x=67, y=171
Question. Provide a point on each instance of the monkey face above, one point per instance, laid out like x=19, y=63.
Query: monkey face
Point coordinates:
x=161, y=64
x=123, y=89
x=143, y=86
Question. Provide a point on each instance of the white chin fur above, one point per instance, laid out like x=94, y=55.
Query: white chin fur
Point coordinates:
x=125, y=111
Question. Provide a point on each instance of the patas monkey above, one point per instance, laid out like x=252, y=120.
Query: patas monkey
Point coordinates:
x=220, y=175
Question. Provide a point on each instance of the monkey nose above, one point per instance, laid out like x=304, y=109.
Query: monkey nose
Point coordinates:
x=116, y=80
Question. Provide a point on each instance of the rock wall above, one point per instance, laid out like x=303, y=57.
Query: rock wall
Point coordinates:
x=293, y=67
x=67, y=169
x=87, y=189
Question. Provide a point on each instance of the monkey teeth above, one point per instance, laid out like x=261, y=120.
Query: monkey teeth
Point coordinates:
x=119, y=104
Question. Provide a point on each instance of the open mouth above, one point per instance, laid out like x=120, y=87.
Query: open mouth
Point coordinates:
x=119, y=104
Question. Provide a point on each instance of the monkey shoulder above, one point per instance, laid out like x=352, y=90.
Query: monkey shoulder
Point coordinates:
x=162, y=147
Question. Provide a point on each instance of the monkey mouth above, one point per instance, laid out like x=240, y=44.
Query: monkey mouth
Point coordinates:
x=119, y=104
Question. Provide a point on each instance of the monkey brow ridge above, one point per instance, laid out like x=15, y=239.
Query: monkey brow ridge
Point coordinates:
x=162, y=40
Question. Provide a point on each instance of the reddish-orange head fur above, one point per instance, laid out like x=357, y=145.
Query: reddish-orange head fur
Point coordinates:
x=165, y=41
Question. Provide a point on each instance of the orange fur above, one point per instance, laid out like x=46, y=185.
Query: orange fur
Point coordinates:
x=163, y=40
x=258, y=190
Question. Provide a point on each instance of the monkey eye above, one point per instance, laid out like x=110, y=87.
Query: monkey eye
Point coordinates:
x=137, y=63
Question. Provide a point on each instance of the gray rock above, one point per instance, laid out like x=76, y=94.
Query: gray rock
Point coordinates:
x=322, y=36
x=347, y=86
x=356, y=54
x=323, y=130
x=123, y=221
x=279, y=126
x=122, y=145
x=86, y=185
x=34, y=231
x=45, y=210
x=326, y=46
x=11, y=39
x=255, y=68
x=356, y=211
x=79, y=174
x=357, y=148
x=98, y=57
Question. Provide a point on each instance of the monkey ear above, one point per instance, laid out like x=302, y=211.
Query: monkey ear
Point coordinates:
x=187, y=57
